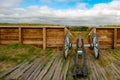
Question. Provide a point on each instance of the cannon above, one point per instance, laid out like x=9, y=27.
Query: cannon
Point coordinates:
x=80, y=50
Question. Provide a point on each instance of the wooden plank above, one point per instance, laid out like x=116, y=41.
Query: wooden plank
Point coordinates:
x=51, y=71
x=58, y=70
x=116, y=69
x=118, y=41
x=45, y=70
x=33, y=42
x=40, y=33
x=32, y=30
x=38, y=69
x=93, y=77
x=102, y=40
x=11, y=70
x=35, y=34
x=115, y=38
x=44, y=38
x=55, y=45
x=101, y=72
x=55, y=30
x=105, y=46
x=97, y=70
x=54, y=34
x=9, y=37
x=16, y=71
x=55, y=37
x=20, y=36
x=9, y=41
x=104, y=43
x=71, y=64
x=33, y=75
x=105, y=37
x=65, y=70
x=55, y=42
x=33, y=37
x=89, y=68
x=20, y=73
x=9, y=30
x=31, y=70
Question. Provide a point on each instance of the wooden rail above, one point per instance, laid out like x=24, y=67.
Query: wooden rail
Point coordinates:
x=45, y=36
x=109, y=37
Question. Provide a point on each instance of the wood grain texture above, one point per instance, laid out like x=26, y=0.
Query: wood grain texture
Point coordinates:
x=115, y=38
x=105, y=37
x=41, y=36
x=55, y=37
x=44, y=38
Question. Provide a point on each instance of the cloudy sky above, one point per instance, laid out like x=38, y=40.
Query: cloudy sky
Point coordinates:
x=63, y=12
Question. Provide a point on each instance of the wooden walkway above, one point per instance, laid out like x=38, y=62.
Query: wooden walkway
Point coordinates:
x=107, y=67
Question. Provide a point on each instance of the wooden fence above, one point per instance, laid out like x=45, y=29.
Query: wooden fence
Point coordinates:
x=109, y=37
x=45, y=36
x=53, y=36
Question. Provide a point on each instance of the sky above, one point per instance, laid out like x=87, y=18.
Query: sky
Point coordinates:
x=62, y=12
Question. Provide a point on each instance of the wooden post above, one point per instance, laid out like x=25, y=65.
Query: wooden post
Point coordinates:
x=65, y=30
x=115, y=38
x=20, y=35
x=94, y=30
x=44, y=38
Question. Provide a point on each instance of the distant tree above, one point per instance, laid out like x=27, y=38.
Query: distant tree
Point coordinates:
x=84, y=28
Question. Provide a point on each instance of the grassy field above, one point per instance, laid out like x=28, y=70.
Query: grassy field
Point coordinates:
x=83, y=31
x=26, y=24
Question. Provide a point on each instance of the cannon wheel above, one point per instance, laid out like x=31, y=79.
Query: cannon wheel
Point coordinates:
x=67, y=45
x=77, y=71
x=95, y=45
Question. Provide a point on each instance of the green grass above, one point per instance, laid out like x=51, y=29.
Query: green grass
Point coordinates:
x=64, y=64
x=109, y=50
x=4, y=57
x=15, y=54
x=84, y=34
x=114, y=52
x=48, y=51
x=26, y=24
x=102, y=63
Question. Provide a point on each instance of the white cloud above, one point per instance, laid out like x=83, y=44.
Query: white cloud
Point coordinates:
x=100, y=14
x=114, y=5
x=9, y=3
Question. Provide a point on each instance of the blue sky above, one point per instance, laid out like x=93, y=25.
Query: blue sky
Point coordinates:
x=61, y=4
x=62, y=12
